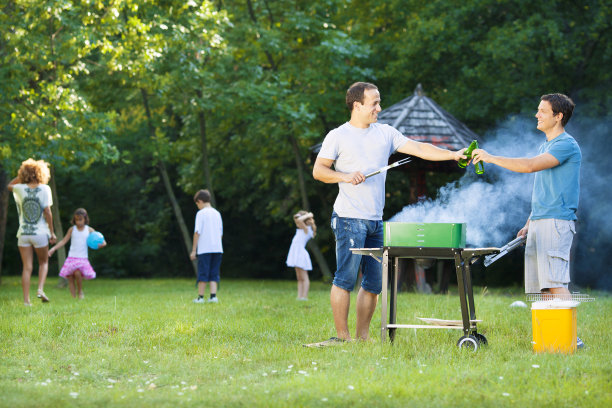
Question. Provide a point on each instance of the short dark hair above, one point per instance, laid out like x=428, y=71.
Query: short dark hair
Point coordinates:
x=355, y=93
x=560, y=103
x=202, y=195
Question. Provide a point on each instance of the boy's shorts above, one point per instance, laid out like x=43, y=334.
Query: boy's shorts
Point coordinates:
x=547, y=254
x=37, y=241
x=208, y=266
x=357, y=233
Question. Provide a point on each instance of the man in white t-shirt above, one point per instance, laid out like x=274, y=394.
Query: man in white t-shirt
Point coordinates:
x=361, y=146
x=207, y=246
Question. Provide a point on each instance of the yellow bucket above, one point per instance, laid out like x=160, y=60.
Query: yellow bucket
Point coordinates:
x=553, y=324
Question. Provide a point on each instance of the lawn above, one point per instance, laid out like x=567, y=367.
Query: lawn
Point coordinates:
x=134, y=343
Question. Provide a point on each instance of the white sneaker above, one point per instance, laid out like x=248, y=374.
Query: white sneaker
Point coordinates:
x=198, y=300
x=213, y=300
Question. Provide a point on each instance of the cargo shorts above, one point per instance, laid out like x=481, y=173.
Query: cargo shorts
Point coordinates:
x=547, y=254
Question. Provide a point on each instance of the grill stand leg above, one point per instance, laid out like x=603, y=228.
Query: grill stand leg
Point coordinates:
x=461, y=285
x=385, y=284
x=468, y=288
x=393, y=306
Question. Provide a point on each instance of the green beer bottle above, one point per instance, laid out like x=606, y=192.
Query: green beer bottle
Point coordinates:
x=478, y=167
x=468, y=152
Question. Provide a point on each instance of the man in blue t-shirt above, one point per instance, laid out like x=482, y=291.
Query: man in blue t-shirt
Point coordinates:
x=361, y=146
x=550, y=227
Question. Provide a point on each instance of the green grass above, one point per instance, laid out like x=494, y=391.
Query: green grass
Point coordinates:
x=133, y=343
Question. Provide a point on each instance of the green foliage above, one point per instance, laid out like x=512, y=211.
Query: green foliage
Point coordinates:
x=253, y=76
x=43, y=49
x=487, y=59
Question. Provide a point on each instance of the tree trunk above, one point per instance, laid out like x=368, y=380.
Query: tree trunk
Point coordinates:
x=312, y=245
x=4, y=199
x=204, y=146
x=57, y=226
x=177, y=212
x=327, y=277
x=300, y=169
x=168, y=186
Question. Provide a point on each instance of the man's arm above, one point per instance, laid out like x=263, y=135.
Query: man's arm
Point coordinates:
x=322, y=171
x=523, y=231
x=520, y=164
x=428, y=151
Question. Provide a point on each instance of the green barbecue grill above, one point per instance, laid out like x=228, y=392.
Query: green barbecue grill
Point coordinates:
x=429, y=241
x=427, y=235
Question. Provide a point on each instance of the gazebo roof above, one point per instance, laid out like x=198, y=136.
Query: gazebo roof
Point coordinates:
x=420, y=118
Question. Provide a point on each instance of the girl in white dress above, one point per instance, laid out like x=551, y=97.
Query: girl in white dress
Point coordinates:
x=298, y=257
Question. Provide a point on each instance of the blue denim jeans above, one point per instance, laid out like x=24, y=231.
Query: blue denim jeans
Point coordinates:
x=357, y=233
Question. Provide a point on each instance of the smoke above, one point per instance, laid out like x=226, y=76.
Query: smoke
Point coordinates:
x=496, y=205
x=593, y=241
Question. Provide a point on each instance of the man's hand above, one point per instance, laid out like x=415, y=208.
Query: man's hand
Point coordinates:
x=523, y=231
x=481, y=155
x=192, y=256
x=354, y=178
x=459, y=154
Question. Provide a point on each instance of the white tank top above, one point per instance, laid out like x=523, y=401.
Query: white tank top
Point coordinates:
x=78, y=242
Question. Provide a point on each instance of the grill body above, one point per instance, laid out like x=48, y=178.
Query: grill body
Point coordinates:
x=428, y=235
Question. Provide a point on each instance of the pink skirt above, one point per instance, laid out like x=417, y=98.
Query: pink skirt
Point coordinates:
x=77, y=264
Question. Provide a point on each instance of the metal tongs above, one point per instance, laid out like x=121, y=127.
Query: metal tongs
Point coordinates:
x=397, y=163
x=509, y=247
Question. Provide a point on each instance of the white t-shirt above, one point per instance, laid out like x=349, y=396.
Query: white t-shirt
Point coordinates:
x=209, y=226
x=364, y=150
x=30, y=205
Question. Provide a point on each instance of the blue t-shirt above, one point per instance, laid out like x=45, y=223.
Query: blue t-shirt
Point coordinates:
x=556, y=190
x=364, y=150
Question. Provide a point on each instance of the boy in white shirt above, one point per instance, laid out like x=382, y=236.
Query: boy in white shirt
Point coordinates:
x=207, y=247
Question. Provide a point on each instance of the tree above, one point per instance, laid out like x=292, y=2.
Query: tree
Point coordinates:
x=42, y=113
x=485, y=60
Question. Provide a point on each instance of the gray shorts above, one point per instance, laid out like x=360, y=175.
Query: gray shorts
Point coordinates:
x=547, y=254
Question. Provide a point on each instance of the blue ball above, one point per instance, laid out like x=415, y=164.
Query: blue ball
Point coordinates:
x=94, y=240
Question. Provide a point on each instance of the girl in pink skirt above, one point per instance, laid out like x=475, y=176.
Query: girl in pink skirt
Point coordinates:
x=77, y=266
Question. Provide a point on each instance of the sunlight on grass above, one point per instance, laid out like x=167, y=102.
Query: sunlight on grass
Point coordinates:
x=143, y=342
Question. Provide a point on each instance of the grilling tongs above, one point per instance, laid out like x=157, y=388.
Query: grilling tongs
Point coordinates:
x=509, y=247
x=397, y=163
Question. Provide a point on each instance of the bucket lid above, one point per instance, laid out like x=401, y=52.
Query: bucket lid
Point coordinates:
x=554, y=304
